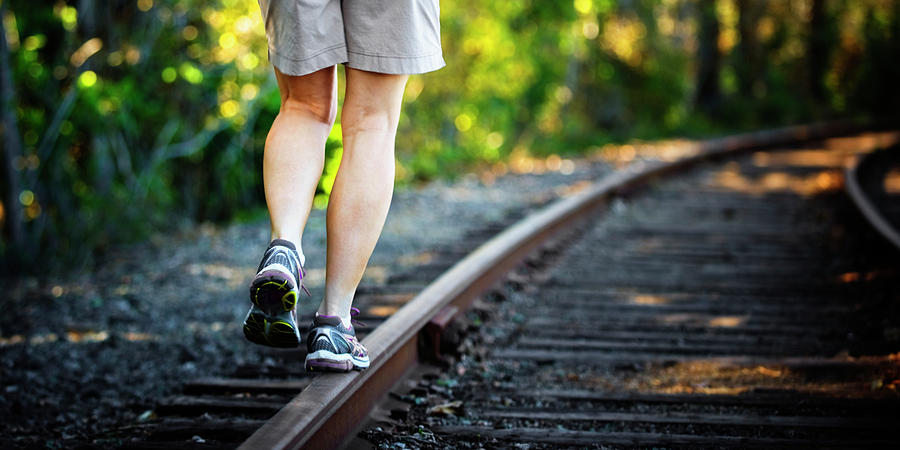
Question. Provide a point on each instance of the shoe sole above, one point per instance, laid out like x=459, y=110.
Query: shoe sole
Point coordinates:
x=272, y=295
x=273, y=292
x=271, y=331
x=325, y=361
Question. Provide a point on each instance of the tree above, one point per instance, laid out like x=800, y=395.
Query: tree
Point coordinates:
x=12, y=147
x=708, y=59
x=749, y=58
x=818, y=50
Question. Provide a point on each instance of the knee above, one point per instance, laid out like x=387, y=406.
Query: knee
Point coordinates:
x=372, y=102
x=313, y=95
x=357, y=118
x=320, y=107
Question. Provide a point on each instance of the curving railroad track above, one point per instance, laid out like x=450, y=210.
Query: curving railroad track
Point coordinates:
x=719, y=296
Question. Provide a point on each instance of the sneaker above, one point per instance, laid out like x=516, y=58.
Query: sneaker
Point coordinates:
x=333, y=348
x=272, y=319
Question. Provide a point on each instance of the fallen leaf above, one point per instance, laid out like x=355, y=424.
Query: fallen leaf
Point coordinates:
x=146, y=415
x=446, y=409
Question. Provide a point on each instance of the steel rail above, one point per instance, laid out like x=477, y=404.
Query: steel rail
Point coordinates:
x=334, y=406
x=865, y=205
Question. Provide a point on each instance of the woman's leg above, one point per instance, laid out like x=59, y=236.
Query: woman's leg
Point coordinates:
x=295, y=149
x=292, y=165
x=363, y=185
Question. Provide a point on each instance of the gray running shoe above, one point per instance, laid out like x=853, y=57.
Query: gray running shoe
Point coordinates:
x=333, y=348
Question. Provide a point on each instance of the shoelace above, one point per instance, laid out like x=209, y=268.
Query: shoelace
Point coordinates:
x=354, y=311
x=303, y=274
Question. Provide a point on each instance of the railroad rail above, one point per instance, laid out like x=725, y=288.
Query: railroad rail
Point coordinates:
x=879, y=163
x=330, y=408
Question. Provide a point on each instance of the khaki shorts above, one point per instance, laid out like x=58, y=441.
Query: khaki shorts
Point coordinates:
x=386, y=36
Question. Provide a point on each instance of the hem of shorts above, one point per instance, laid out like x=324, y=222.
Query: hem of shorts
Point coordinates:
x=396, y=65
x=298, y=67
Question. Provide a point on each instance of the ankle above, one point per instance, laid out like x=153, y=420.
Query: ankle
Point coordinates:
x=293, y=240
x=343, y=315
x=345, y=321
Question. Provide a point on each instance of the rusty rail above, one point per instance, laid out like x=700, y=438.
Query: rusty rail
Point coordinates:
x=865, y=204
x=328, y=412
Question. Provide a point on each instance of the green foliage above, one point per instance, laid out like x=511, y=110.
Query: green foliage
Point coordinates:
x=160, y=121
x=144, y=115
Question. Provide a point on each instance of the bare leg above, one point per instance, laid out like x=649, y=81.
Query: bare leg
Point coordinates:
x=292, y=166
x=295, y=149
x=364, y=183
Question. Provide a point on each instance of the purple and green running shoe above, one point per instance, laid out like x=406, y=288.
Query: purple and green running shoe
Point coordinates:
x=272, y=319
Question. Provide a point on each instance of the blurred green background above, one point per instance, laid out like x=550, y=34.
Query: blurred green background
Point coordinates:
x=125, y=117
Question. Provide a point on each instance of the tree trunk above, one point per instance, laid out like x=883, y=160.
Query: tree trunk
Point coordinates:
x=12, y=148
x=817, y=50
x=708, y=58
x=748, y=63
